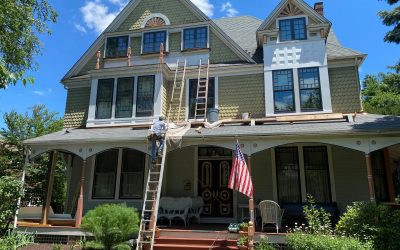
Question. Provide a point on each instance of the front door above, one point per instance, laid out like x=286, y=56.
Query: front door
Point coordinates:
x=213, y=188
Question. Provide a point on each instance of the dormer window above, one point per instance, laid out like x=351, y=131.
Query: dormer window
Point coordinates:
x=117, y=47
x=153, y=40
x=292, y=29
x=195, y=38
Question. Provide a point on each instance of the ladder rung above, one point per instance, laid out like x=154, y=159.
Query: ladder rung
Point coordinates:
x=151, y=210
x=150, y=200
x=146, y=220
x=144, y=242
x=154, y=172
x=152, y=181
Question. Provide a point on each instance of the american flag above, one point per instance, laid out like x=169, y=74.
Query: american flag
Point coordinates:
x=240, y=178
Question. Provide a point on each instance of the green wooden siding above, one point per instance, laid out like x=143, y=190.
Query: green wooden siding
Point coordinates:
x=76, y=109
x=220, y=52
x=345, y=90
x=91, y=64
x=175, y=42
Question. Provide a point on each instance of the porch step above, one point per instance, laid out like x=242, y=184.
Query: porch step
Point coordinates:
x=167, y=243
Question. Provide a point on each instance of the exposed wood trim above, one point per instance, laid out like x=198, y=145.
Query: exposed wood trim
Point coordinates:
x=371, y=186
x=46, y=207
x=309, y=117
x=389, y=177
x=79, y=209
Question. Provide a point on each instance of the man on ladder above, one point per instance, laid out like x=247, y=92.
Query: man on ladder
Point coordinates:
x=157, y=135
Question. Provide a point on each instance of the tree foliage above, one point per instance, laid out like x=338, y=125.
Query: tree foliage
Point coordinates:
x=381, y=94
x=10, y=188
x=20, y=127
x=21, y=21
x=392, y=18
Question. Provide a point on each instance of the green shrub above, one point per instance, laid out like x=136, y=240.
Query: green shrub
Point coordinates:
x=264, y=245
x=111, y=224
x=317, y=218
x=10, y=190
x=14, y=241
x=299, y=241
x=93, y=245
x=367, y=221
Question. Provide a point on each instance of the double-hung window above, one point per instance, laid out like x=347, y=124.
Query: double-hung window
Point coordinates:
x=153, y=40
x=104, y=101
x=292, y=29
x=283, y=91
x=310, y=89
x=317, y=173
x=145, y=96
x=128, y=165
x=288, y=174
x=195, y=38
x=117, y=46
x=124, y=97
x=193, y=95
x=105, y=173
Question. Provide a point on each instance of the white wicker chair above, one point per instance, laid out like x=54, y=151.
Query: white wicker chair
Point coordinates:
x=171, y=208
x=271, y=213
x=196, y=209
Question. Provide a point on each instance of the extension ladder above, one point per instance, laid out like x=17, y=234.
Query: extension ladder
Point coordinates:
x=200, y=112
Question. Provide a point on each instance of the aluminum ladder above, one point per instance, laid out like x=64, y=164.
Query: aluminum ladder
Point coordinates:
x=200, y=112
x=178, y=90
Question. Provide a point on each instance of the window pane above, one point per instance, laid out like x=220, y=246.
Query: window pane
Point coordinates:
x=285, y=30
x=299, y=28
x=310, y=92
x=117, y=46
x=283, y=91
x=195, y=38
x=193, y=95
x=104, y=100
x=317, y=173
x=152, y=41
x=380, y=178
x=104, y=174
x=287, y=172
x=124, y=97
x=132, y=170
x=145, y=96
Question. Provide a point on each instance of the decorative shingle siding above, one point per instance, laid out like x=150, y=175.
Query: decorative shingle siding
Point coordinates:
x=175, y=42
x=175, y=104
x=176, y=12
x=220, y=53
x=76, y=109
x=136, y=45
x=91, y=65
x=241, y=94
x=345, y=89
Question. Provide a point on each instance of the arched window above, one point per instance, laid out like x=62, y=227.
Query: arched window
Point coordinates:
x=155, y=20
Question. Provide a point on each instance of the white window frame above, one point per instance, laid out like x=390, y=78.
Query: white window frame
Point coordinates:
x=194, y=27
x=216, y=99
x=105, y=46
x=292, y=17
x=166, y=48
x=93, y=122
x=117, y=179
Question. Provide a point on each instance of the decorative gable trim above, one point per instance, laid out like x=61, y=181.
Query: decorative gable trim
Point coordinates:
x=291, y=8
x=155, y=20
x=125, y=13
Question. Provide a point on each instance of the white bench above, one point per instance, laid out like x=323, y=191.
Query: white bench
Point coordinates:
x=183, y=208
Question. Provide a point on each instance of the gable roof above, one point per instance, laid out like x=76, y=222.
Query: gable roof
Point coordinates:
x=124, y=14
x=243, y=29
x=302, y=4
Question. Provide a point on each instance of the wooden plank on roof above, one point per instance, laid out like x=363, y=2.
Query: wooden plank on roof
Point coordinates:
x=296, y=118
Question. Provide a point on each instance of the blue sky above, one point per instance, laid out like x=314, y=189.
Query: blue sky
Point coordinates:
x=80, y=22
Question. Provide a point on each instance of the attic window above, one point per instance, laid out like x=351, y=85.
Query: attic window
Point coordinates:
x=155, y=22
x=117, y=47
x=292, y=29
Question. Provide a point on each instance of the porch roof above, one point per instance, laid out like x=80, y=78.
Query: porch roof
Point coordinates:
x=363, y=124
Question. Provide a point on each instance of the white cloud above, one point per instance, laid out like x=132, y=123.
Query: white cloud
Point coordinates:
x=80, y=28
x=121, y=3
x=38, y=92
x=229, y=10
x=97, y=16
x=205, y=6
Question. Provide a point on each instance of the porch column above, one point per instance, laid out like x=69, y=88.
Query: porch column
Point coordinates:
x=370, y=175
x=251, y=228
x=79, y=209
x=389, y=177
x=46, y=207
x=23, y=183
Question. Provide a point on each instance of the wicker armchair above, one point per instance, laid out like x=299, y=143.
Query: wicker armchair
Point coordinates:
x=271, y=213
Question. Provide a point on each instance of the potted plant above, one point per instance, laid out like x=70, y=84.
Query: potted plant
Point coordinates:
x=242, y=242
x=244, y=228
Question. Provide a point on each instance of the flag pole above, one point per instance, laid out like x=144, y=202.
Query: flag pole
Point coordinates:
x=251, y=228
